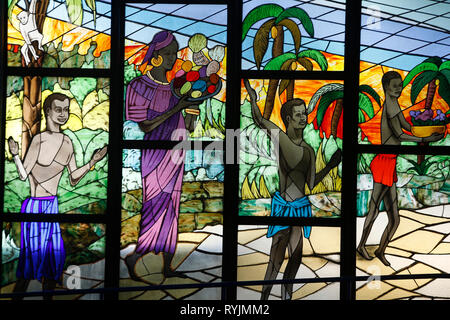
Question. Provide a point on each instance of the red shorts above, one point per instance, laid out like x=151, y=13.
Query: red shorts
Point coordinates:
x=383, y=169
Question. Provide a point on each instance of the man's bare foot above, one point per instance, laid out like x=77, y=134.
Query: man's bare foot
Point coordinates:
x=382, y=258
x=363, y=253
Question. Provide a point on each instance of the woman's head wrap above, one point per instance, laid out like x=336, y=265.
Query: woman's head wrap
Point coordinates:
x=161, y=40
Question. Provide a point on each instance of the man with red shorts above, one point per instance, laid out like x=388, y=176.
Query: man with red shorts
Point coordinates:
x=383, y=166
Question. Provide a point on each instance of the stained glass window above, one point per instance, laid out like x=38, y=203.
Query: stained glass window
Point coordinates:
x=225, y=150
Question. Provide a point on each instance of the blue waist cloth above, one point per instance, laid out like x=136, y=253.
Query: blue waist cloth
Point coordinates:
x=42, y=253
x=299, y=208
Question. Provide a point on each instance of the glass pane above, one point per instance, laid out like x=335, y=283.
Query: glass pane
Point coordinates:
x=407, y=49
x=172, y=210
x=293, y=35
x=71, y=133
x=59, y=256
x=315, y=254
x=411, y=234
x=175, y=59
x=75, y=35
x=316, y=133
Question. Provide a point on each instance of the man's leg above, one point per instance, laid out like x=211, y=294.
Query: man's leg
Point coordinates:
x=295, y=249
x=391, y=203
x=378, y=192
x=277, y=251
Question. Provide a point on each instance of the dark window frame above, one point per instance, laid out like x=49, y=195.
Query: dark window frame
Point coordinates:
x=112, y=218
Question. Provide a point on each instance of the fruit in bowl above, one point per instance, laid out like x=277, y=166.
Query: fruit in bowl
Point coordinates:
x=426, y=122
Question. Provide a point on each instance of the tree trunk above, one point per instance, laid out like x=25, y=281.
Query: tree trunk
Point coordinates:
x=290, y=90
x=277, y=50
x=428, y=103
x=31, y=110
x=336, y=115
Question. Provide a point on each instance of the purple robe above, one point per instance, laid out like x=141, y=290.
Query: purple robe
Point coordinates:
x=162, y=170
x=42, y=253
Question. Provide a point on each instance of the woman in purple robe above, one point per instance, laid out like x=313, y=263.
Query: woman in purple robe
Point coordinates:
x=150, y=103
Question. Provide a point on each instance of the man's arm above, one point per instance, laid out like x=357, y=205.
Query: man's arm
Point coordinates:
x=24, y=168
x=76, y=174
x=291, y=152
x=313, y=177
x=398, y=122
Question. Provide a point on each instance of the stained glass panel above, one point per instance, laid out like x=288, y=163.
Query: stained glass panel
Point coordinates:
x=293, y=35
x=75, y=34
x=410, y=234
x=65, y=256
x=320, y=134
x=408, y=48
x=172, y=215
x=75, y=138
x=314, y=255
x=175, y=59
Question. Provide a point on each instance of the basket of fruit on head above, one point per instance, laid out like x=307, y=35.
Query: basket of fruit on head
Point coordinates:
x=426, y=122
x=198, y=79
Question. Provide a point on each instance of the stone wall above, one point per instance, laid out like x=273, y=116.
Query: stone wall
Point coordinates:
x=201, y=204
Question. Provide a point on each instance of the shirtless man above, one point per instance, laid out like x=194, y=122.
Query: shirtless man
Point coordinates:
x=296, y=168
x=383, y=165
x=49, y=153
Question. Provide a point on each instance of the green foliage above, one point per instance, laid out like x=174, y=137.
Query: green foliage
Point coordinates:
x=81, y=87
x=316, y=56
x=422, y=168
x=277, y=62
x=420, y=82
x=300, y=14
x=325, y=101
x=11, y=5
x=261, y=12
x=444, y=85
x=424, y=66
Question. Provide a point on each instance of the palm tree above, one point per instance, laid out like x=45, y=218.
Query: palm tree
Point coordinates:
x=334, y=92
x=278, y=18
x=290, y=61
x=427, y=73
x=32, y=84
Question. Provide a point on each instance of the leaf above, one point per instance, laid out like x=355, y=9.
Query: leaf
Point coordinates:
x=11, y=5
x=277, y=62
x=300, y=14
x=365, y=105
x=325, y=102
x=315, y=55
x=361, y=117
x=444, y=65
x=283, y=85
x=435, y=60
x=444, y=88
x=421, y=81
x=364, y=88
x=424, y=66
x=261, y=41
x=322, y=90
x=305, y=63
x=295, y=31
x=262, y=12
x=75, y=11
x=91, y=4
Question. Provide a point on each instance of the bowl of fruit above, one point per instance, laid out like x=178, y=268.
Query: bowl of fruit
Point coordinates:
x=426, y=122
x=198, y=79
